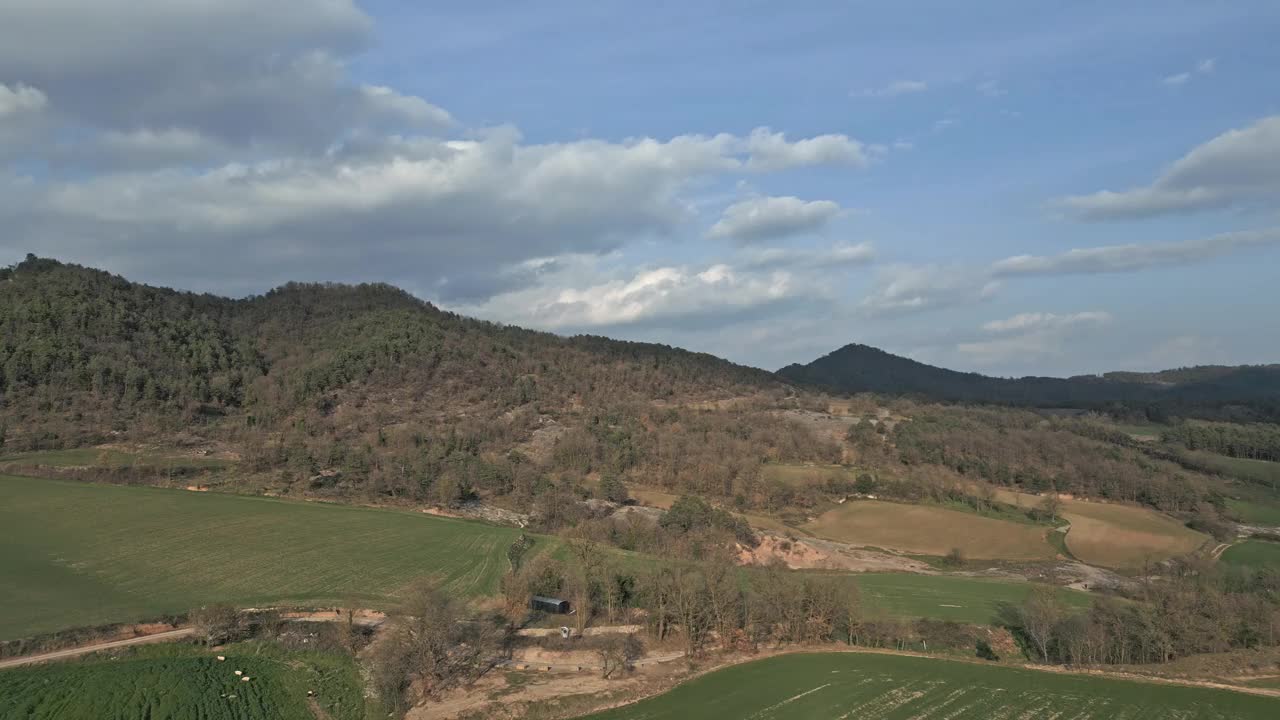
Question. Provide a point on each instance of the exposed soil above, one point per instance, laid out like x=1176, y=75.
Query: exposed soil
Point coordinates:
x=816, y=554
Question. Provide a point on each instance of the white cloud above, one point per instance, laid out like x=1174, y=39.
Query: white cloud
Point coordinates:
x=1029, y=336
x=1027, y=322
x=673, y=295
x=770, y=151
x=839, y=255
x=1124, y=258
x=1237, y=167
x=901, y=289
x=421, y=210
x=769, y=218
x=1204, y=67
x=20, y=99
x=894, y=89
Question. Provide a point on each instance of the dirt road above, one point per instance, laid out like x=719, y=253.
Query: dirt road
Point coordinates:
x=86, y=649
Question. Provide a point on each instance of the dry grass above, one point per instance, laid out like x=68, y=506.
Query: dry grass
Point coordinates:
x=1117, y=536
x=931, y=531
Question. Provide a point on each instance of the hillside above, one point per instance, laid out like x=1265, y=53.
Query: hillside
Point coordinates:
x=345, y=389
x=1245, y=392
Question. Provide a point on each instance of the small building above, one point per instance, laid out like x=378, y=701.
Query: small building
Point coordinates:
x=549, y=604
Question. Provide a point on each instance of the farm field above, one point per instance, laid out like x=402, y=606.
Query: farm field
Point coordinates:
x=931, y=530
x=181, y=682
x=1254, y=554
x=75, y=554
x=865, y=686
x=948, y=597
x=1117, y=536
x=1259, y=471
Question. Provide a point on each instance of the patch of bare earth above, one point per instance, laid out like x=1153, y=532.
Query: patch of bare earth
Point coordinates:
x=816, y=554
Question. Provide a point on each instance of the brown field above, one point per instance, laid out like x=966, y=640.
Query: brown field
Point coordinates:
x=930, y=530
x=1117, y=536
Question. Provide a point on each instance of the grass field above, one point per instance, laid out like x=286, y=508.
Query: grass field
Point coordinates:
x=1257, y=511
x=74, y=554
x=1117, y=536
x=948, y=597
x=1140, y=431
x=1257, y=471
x=182, y=682
x=1253, y=553
x=865, y=686
x=931, y=530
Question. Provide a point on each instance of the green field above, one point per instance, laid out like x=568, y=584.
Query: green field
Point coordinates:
x=1256, y=471
x=948, y=597
x=864, y=686
x=1253, y=553
x=75, y=554
x=181, y=682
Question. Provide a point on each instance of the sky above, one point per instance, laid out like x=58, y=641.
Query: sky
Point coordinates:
x=1006, y=186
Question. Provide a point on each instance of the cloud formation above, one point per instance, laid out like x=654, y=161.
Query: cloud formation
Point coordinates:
x=1204, y=67
x=894, y=89
x=903, y=289
x=1126, y=258
x=577, y=298
x=769, y=151
x=1029, y=336
x=1235, y=168
x=769, y=218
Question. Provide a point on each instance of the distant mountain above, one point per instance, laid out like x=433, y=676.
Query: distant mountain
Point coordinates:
x=1244, y=392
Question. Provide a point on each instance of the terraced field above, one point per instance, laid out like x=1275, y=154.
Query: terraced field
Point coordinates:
x=75, y=554
x=863, y=686
x=178, y=682
x=931, y=530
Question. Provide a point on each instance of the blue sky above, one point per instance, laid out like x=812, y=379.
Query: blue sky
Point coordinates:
x=764, y=181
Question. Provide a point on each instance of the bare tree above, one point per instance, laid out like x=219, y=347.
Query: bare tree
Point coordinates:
x=1051, y=505
x=430, y=646
x=1040, y=614
x=217, y=624
x=724, y=598
x=618, y=652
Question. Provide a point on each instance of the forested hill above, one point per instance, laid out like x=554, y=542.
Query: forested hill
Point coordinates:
x=1245, y=392
x=84, y=353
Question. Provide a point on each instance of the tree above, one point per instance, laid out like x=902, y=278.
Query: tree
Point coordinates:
x=1050, y=506
x=852, y=612
x=724, y=598
x=217, y=624
x=613, y=489
x=1039, y=616
x=430, y=646
x=618, y=652
x=955, y=558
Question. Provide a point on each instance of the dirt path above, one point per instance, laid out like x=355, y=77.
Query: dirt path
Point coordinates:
x=363, y=618
x=1217, y=552
x=86, y=649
